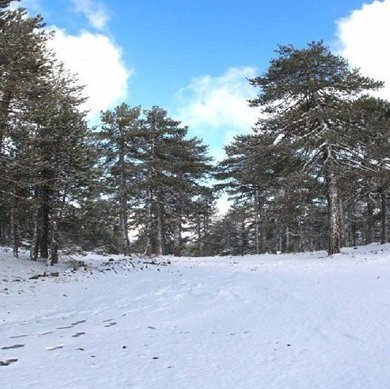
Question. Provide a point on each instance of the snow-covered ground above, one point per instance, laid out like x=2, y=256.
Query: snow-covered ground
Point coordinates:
x=271, y=321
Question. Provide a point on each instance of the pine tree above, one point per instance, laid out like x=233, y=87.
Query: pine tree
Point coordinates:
x=306, y=95
x=5, y=3
x=257, y=172
x=202, y=213
x=61, y=158
x=24, y=61
x=119, y=140
x=171, y=167
x=372, y=117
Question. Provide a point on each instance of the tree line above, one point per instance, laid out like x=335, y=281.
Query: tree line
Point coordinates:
x=137, y=175
x=313, y=174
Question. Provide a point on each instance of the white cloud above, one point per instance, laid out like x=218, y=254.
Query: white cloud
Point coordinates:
x=98, y=63
x=95, y=11
x=215, y=102
x=364, y=37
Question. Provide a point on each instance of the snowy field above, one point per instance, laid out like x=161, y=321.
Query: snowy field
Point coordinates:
x=271, y=321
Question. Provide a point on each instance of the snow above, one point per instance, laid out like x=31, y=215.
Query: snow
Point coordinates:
x=270, y=321
x=278, y=139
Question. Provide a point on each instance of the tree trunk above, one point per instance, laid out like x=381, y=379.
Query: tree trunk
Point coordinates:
x=4, y=112
x=160, y=228
x=244, y=238
x=57, y=207
x=286, y=240
x=263, y=231
x=341, y=221
x=123, y=211
x=150, y=238
x=334, y=232
x=301, y=246
x=177, y=241
x=149, y=223
x=44, y=237
x=257, y=229
x=54, y=245
x=14, y=232
x=384, y=234
x=206, y=231
x=125, y=242
x=370, y=220
x=2, y=220
x=35, y=237
x=5, y=103
x=354, y=228
x=199, y=233
x=34, y=250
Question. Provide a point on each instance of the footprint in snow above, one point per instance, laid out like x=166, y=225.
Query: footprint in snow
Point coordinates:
x=64, y=327
x=110, y=324
x=71, y=325
x=46, y=333
x=60, y=346
x=18, y=336
x=26, y=335
x=13, y=346
x=78, y=322
x=8, y=362
x=77, y=334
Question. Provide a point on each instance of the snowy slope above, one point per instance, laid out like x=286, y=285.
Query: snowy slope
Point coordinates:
x=287, y=321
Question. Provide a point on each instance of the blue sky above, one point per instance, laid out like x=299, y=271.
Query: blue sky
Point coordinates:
x=192, y=57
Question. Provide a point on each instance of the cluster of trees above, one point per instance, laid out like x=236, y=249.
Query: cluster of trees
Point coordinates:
x=62, y=183
x=153, y=174
x=313, y=175
x=44, y=139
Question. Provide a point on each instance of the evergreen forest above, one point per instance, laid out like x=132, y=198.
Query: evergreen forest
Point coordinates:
x=314, y=174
